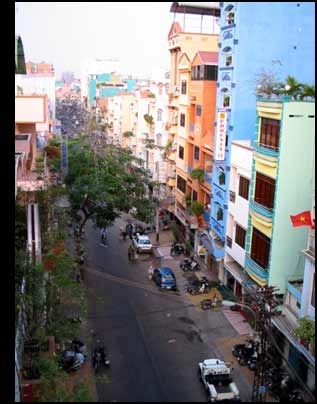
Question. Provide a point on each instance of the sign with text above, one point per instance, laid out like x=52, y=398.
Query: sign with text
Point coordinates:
x=221, y=135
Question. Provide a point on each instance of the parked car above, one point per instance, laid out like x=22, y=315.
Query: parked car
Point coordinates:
x=164, y=278
x=142, y=244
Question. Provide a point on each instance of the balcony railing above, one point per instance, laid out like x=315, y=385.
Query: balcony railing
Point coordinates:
x=232, y=196
x=261, y=209
x=256, y=268
x=266, y=149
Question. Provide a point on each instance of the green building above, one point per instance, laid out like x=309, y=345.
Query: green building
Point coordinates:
x=282, y=184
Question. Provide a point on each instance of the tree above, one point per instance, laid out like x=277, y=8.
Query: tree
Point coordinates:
x=197, y=208
x=103, y=184
x=128, y=134
x=306, y=332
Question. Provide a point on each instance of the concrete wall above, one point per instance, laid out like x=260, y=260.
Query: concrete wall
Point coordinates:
x=294, y=189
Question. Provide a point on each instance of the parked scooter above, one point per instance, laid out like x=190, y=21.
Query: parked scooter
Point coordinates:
x=199, y=286
x=236, y=349
x=189, y=264
x=71, y=361
x=177, y=249
x=100, y=357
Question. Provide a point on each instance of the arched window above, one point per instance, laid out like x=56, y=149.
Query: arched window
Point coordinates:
x=159, y=115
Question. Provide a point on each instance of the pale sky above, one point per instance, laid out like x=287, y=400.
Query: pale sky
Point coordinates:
x=66, y=34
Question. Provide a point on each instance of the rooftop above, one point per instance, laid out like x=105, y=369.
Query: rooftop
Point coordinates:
x=208, y=58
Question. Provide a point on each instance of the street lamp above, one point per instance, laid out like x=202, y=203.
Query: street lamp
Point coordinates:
x=228, y=303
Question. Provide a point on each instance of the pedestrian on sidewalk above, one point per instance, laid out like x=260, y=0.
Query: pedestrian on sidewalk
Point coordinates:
x=150, y=272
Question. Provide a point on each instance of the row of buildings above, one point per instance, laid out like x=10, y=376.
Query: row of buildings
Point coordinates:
x=34, y=123
x=245, y=154
x=216, y=134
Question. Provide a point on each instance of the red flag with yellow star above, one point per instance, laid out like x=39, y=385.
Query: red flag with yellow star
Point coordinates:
x=302, y=219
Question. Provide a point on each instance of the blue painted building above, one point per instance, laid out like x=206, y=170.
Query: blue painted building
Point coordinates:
x=254, y=38
x=108, y=85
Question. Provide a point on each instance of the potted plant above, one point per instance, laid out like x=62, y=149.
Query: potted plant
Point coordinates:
x=222, y=178
x=187, y=199
x=226, y=101
x=197, y=208
x=219, y=213
x=306, y=333
x=198, y=174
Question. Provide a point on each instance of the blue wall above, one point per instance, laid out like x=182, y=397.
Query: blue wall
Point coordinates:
x=263, y=38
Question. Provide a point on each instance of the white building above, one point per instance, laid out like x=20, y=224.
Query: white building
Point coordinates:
x=238, y=209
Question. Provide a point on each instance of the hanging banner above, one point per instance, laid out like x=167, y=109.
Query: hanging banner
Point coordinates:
x=221, y=135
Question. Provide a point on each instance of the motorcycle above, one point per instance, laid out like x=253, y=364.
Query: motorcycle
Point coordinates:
x=71, y=361
x=236, y=349
x=199, y=287
x=100, y=358
x=189, y=264
x=246, y=354
x=177, y=249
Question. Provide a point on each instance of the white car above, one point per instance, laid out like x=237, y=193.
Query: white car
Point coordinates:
x=216, y=377
x=142, y=244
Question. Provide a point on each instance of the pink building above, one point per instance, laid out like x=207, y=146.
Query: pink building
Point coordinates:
x=31, y=114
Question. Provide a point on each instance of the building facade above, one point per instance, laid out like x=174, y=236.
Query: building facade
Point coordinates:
x=185, y=39
x=244, y=55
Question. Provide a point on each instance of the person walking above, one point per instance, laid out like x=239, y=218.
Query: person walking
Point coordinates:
x=150, y=272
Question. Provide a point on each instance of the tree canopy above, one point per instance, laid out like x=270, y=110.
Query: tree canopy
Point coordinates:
x=103, y=184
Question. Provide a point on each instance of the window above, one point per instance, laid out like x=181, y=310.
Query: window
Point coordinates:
x=264, y=190
x=181, y=184
x=240, y=236
x=230, y=17
x=159, y=115
x=203, y=72
x=312, y=302
x=211, y=73
x=195, y=196
x=181, y=152
x=182, y=120
x=298, y=304
x=270, y=133
x=159, y=139
x=160, y=90
x=226, y=100
x=196, y=153
x=260, y=248
x=244, y=187
x=228, y=60
x=198, y=110
x=184, y=87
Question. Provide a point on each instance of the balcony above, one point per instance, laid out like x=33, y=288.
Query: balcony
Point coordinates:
x=262, y=210
x=256, y=269
x=213, y=245
x=267, y=150
x=217, y=227
x=295, y=287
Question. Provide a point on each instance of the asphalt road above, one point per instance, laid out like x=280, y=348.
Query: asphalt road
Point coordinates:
x=155, y=339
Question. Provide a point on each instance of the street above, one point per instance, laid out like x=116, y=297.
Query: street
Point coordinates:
x=155, y=339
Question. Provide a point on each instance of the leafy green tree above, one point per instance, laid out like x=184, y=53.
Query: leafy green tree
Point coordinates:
x=100, y=185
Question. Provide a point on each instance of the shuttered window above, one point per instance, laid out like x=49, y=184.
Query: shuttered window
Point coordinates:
x=260, y=248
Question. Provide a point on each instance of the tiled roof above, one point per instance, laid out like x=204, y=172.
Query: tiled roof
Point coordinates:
x=208, y=57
